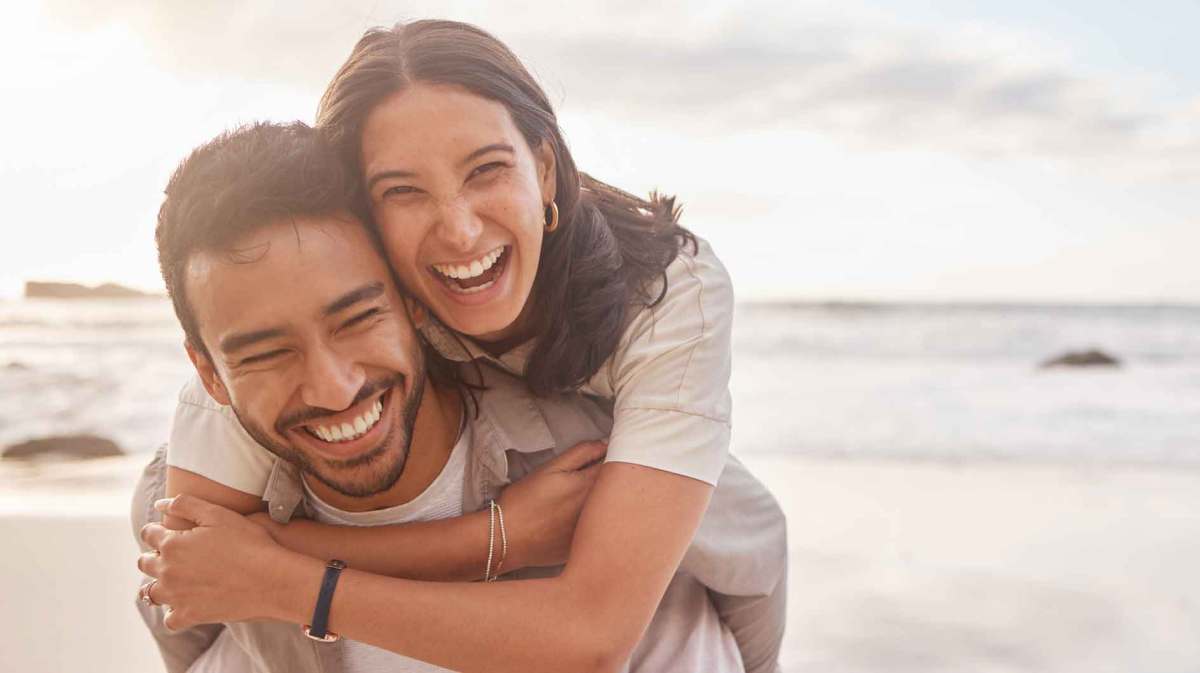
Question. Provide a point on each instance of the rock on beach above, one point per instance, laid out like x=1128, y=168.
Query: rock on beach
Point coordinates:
x=1088, y=358
x=66, y=446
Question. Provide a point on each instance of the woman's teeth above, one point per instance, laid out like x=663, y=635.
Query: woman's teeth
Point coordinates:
x=470, y=270
x=348, y=431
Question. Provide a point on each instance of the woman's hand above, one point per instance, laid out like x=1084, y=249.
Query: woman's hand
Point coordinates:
x=222, y=570
x=541, y=510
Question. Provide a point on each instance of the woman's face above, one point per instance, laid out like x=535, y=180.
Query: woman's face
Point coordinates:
x=459, y=198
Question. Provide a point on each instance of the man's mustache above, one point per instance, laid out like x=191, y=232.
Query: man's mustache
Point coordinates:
x=308, y=414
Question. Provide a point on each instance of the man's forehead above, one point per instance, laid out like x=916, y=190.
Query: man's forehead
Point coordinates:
x=289, y=268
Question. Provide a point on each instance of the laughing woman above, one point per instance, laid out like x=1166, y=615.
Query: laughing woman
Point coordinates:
x=533, y=267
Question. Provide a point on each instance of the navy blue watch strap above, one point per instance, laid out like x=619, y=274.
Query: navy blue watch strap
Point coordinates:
x=318, y=630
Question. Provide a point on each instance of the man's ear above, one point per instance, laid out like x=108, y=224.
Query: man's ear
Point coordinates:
x=208, y=373
x=547, y=171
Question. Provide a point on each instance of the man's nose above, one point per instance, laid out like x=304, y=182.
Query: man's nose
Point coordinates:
x=458, y=226
x=331, y=380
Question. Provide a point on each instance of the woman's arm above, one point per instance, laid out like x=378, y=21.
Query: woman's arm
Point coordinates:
x=180, y=480
x=633, y=531
x=541, y=510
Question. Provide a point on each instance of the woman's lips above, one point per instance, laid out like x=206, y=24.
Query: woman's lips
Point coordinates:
x=475, y=276
x=490, y=284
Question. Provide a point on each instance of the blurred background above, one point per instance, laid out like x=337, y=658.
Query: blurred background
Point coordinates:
x=920, y=203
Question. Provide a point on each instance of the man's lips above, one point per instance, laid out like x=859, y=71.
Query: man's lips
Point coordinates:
x=333, y=431
x=348, y=432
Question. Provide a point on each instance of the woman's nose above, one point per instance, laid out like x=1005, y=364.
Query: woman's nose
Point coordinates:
x=458, y=226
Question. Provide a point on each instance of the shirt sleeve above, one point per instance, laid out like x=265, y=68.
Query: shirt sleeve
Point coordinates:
x=207, y=439
x=669, y=377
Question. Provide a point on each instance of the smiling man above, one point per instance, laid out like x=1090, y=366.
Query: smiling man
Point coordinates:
x=282, y=366
x=305, y=346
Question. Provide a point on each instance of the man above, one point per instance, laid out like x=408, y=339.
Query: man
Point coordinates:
x=293, y=322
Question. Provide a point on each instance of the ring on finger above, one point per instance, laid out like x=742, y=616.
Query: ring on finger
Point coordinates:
x=144, y=593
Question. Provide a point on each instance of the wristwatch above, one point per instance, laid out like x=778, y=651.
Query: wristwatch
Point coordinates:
x=318, y=629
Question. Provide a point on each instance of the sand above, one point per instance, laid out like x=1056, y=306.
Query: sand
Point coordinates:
x=895, y=566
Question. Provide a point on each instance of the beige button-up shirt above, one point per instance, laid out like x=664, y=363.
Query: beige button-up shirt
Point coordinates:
x=668, y=380
x=728, y=595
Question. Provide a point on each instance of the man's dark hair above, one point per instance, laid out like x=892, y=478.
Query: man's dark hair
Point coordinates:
x=244, y=179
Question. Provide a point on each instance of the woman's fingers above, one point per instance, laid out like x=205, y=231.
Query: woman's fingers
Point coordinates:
x=579, y=456
x=197, y=510
x=154, y=534
x=177, y=620
x=150, y=563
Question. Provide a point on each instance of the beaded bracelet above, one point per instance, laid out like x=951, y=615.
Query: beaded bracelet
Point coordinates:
x=503, y=541
x=487, y=572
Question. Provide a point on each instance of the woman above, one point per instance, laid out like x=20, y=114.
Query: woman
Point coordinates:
x=558, y=278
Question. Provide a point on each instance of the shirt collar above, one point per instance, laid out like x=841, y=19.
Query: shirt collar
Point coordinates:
x=458, y=348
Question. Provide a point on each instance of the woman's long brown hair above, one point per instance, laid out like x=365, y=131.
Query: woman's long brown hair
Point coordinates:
x=610, y=248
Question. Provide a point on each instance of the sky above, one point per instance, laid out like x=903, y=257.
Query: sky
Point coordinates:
x=928, y=151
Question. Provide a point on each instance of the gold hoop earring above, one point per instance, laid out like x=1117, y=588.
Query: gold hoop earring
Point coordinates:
x=552, y=221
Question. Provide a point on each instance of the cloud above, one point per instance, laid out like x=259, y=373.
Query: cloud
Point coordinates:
x=873, y=83
x=864, y=78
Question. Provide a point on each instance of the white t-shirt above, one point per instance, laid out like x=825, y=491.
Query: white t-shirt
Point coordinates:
x=442, y=499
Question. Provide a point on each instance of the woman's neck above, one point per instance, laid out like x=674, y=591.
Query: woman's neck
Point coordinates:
x=521, y=330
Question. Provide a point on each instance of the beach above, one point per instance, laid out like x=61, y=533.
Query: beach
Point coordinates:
x=951, y=506
x=894, y=566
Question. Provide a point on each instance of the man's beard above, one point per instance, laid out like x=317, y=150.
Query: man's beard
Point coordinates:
x=384, y=463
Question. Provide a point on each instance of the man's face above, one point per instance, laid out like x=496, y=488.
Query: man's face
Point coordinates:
x=311, y=345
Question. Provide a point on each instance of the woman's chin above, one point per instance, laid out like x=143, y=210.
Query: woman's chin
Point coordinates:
x=488, y=317
x=487, y=323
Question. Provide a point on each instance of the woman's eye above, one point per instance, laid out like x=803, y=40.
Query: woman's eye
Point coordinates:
x=487, y=168
x=399, y=190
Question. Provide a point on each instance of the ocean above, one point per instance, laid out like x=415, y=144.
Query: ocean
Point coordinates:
x=953, y=382
x=950, y=506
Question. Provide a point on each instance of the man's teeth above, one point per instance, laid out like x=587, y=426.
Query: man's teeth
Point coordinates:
x=471, y=270
x=345, y=432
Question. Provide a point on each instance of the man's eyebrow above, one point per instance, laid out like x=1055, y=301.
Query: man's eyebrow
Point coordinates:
x=353, y=297
x=236, y=342
x=494, y=147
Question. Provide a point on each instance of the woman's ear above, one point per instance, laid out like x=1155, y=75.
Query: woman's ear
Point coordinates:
x=547, y=171
x=417, y=313
x=208, y=374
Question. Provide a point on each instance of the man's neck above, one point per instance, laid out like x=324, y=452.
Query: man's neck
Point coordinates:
x=434, y=434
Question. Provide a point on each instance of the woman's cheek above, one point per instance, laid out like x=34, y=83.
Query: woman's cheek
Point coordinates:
x=402, y=255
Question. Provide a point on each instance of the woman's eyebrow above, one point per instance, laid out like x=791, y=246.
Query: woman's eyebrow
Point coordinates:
x=494, y=147
x=383, y=175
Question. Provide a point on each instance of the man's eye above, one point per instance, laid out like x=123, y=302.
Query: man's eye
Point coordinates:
x=361, y=318
x=263, y=357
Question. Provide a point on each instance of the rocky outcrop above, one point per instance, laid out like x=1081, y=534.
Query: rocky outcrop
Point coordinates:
x=40, y=290
x=65, y=446
x=1088, y=358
